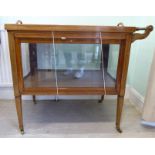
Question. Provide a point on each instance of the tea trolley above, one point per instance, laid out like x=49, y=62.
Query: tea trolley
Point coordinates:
x=71, y=60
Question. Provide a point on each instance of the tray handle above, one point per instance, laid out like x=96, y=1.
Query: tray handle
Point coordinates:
x=139, y=36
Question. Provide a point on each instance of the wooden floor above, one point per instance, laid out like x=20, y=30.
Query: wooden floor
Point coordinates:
x=47, y=78
x=71, y=118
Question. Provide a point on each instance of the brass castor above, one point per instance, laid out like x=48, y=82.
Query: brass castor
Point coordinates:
x=118, y=129
x=34, y=99
x=101, y=100
x=22, y=131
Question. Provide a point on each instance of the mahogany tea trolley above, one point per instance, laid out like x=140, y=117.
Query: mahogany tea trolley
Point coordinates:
x=71, y=60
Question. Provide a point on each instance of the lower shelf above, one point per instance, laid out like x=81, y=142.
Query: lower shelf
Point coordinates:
x=89, y=79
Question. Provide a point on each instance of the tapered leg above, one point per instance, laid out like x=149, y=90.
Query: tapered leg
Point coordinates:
x=120, y=101
x=19, y=113
x=34, y=99
x=101, y=100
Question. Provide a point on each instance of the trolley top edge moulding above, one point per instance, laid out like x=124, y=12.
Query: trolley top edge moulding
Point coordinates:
x=85, y=28
x=120, y=28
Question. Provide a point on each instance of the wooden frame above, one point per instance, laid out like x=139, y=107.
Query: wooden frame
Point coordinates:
x=120, y=34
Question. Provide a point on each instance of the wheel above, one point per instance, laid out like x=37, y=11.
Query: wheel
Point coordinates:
x=22, y=131
x=101, y=100
x=119, y=130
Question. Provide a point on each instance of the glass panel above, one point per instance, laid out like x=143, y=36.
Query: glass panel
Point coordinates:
x=70, y=65
x=38, y=65
x=83, y=65
x=79, y=64
x=111, y=63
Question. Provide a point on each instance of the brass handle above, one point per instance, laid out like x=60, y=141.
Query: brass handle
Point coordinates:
x=139, y=36
x=150, y=27
x=19, y=22
x=120, y=24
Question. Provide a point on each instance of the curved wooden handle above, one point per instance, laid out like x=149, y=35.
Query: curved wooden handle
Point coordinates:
x=138, y=36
